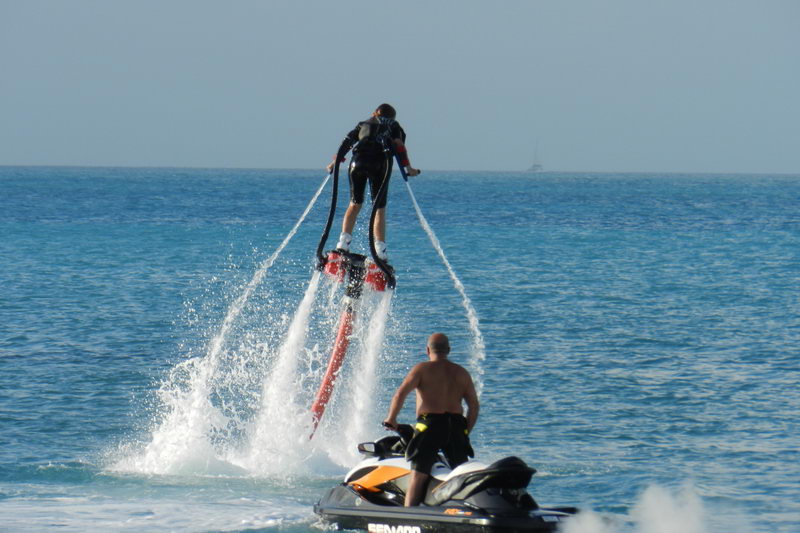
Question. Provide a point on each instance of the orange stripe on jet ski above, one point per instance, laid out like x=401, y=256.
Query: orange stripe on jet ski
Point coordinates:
x=378, y=476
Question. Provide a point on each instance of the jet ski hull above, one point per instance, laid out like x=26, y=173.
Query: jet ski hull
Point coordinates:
x=349, y=509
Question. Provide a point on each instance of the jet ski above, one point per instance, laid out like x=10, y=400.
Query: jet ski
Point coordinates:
x=471, y=497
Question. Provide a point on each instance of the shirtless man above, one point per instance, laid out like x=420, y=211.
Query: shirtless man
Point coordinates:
x=441, y=386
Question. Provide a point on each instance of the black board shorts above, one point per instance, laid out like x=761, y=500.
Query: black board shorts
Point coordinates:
x=438, y=431
x=376, y=170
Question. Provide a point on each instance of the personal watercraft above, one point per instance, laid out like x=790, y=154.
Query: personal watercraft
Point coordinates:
x=471, y=497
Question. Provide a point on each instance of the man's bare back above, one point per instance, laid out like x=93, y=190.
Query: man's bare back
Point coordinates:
x=441, y=387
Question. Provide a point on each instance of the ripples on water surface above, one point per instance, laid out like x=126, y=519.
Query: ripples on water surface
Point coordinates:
x=641, y=338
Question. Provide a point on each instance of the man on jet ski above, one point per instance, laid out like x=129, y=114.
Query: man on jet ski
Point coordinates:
x=441, y=386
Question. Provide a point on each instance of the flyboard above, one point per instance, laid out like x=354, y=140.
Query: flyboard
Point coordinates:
x=354, y=270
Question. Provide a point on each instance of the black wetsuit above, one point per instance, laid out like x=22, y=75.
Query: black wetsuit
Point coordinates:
x=372, y=160
x=434, y=432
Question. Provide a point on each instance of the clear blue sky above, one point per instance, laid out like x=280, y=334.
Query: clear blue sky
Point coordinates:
x=617, y=85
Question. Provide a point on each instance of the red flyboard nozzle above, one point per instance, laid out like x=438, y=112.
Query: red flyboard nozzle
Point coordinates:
x=334, y=364
x=375, y=277
x=335, y=266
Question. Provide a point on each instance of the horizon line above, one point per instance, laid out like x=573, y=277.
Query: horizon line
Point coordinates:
x=496, y=171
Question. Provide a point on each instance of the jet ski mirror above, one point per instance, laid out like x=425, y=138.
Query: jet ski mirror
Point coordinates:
x=368, y=448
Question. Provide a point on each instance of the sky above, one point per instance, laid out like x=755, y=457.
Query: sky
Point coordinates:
x=584, y=85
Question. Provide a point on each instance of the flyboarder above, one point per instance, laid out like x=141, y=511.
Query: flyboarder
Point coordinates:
x=372, y=162
x=441, y=386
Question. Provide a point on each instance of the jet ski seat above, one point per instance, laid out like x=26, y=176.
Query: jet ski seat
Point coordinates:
x=508, y=473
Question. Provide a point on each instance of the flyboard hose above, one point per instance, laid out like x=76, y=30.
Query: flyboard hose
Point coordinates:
x=352, y=268
x=321, y=259
x=387, y=270
x=353, y=292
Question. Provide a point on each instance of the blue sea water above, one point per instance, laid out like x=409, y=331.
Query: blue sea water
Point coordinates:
x=642, y=343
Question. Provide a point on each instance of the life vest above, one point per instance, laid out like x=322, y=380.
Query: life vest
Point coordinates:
x=374, y=136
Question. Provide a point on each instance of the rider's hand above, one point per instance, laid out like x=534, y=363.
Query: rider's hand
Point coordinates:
x=332, y=164
x=411, y=171
x=390, y=424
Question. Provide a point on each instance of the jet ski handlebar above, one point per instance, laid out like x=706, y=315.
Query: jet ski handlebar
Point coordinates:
x=389, y=445
x=405, y=431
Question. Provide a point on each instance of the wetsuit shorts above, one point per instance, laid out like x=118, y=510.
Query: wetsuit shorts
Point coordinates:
x=374, y=169
x=434, y=432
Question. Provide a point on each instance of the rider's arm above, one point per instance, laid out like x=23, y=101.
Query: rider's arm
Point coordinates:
x=350, y=139
x=409, y=384
x=402, y=153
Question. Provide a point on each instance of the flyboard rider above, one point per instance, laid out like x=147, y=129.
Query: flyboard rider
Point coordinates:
x=441, y=386
x=370, y=163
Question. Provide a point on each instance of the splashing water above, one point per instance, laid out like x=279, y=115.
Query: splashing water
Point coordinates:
x=271, y=445
x=181, y=444
x=183, y=441
x=478, y=351
x=236, y=308
x=244, y=410
x=201, y=433
x=360, y=393
x=658, y=510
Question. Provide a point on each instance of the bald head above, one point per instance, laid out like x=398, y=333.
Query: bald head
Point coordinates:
x=439, y=344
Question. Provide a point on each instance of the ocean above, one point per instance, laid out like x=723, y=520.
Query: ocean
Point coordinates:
x=635, y=338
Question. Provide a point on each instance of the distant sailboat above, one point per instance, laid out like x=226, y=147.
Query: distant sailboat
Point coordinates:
x=536, y=166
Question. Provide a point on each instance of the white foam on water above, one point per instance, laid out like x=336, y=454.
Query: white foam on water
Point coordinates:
x=180, y=444
x=278, y=443
x=478, y=350
x=658, y=510
x=588, y=522
x=662, y=511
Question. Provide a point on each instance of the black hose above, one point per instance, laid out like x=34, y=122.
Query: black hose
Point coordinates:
x=321, y=259
x=383, y=265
